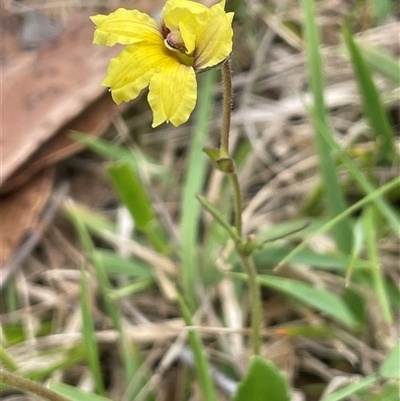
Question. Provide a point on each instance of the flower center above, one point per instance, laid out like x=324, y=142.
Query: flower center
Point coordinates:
x=173, y=41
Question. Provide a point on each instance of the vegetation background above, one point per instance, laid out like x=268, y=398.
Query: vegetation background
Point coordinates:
x=93, y=309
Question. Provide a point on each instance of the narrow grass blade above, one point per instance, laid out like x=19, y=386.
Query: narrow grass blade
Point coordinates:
x=286, y=230
x=127, y=353
x=194, y=181
x=358, y=237
x=95, y=221
x=106, y=149
x=386, y=210
x=333, y=192
x=267, y=259
x=202, y=367
x=111, y=151
x=67, y=357
x=133, y=288
x=119, y=265
x=89, y=338
x=7, y=360
x=381, y=62
x=318, y=298
x=377, y=275
x=372, y=102
x=75, y=394
x=358, y=205
x=132, y=193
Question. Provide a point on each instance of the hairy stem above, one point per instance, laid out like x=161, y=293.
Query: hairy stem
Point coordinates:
x=227, y=108
x=12, y=380
x=238, y=203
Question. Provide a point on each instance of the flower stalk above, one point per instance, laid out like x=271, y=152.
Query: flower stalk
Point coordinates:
x=241, y=243
x=15, y=381
x=237, y=204
x=227, y=107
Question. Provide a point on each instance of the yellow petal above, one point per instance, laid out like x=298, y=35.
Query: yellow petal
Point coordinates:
x=173, y=93
x=132, y=70
x=190, y=28
x=214, y=42
x=175, y=11
x=125, y=27
x=187, y=17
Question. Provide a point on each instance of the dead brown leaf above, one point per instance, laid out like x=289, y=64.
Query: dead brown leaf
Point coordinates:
x=45, y=89
x=20, y=212
x=94, y=120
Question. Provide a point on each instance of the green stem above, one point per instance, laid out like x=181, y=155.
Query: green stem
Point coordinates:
x=12, y=380
x=227, y=108
x=238, y=204
x=255, y=299
x=247, y=261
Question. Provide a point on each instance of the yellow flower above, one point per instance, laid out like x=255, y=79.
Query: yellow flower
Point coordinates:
x=164, y=56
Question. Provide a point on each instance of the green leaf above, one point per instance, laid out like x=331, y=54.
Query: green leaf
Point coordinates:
x=218, y=216
x=132, y=193
x=368, y=198
x=134, y=196
x=333, y=192
x=213, y=154
x=318, y=298
x=131, y=361
x=378, y=278
x=372, y=102
x=89, y=336
x=75, y=394
x=305, y=330
x=106, y=149
x=262, y=379
x=202, y=367
x=390, y=368
x=117, y=264
x=94, y=221
x=6, y=358
x=381, y=62
x=111, y=151
x=269, y=256
x=383, y=206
